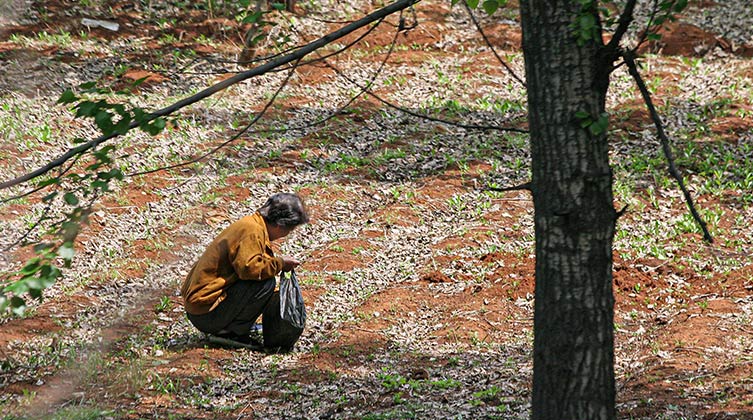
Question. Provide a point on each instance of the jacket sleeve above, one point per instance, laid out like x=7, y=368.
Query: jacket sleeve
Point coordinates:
x=252, y=262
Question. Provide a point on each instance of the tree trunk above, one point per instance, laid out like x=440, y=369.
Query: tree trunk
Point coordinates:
x=573, y=366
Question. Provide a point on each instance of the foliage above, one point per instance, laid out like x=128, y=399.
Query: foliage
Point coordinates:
x=596, y=126
x=74, y=191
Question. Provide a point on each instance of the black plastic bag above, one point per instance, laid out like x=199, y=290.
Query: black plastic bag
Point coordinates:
x=292, y=308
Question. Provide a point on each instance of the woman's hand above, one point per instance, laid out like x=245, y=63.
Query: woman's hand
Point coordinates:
x=288, y=263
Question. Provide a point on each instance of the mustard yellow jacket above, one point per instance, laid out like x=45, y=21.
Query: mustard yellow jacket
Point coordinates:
x=240, y=252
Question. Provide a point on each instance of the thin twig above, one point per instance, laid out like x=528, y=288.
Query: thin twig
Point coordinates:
x=491, y=47
x=45, y=211
x=633, y=70
x=271, y=56
x=644, y=35
x=526, y=186
x=626, y=18
x=31, y=228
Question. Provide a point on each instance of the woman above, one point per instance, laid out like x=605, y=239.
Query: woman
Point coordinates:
x=233, y=282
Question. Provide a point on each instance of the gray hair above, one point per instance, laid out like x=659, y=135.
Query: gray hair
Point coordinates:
x=284, y=209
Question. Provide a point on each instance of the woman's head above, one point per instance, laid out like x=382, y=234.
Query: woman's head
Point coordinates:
x=284, y=210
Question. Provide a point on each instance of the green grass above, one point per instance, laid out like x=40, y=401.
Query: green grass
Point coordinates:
x=61, y=39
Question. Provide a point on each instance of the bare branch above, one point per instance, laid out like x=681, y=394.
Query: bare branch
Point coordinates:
x=644, y=35
x=633, y=70
x=626, y=18
x=368, y=91
x=292, y=57
x=489, y=44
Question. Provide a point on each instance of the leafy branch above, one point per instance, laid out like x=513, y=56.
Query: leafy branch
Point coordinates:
x=264, y=68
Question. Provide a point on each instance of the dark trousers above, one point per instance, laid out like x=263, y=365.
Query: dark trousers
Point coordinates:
x=245, y=302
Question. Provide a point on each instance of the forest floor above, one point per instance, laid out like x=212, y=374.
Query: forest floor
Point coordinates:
x=418, y=281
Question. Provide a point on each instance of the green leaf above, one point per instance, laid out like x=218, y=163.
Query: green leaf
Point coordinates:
x=584, y=118
x=139, y=82
x=104, y=186
x=123, y=125
x=42, y=247
x=104, y=122
x=258, y=38
x=472, y=3
x=69, y=227
x=18, y=288
x=71, y=199
x=66, y=251
x=490, y=6
x=67, y=97
x=87, y=85
x=49, y=197
x=120, y=109
x=156, y=126
x=253, y=17
x=604, y=119
x=138, y=115
x=680, y=5
x=587, y=21
x=18, y=306
x=86, y=109
x=36, y=291
x=112, y=173
x=30, y=268
x=104, y=151
x=599, y=126
x=49, y=181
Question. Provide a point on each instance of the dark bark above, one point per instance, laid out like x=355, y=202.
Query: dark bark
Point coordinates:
x=574, y=217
